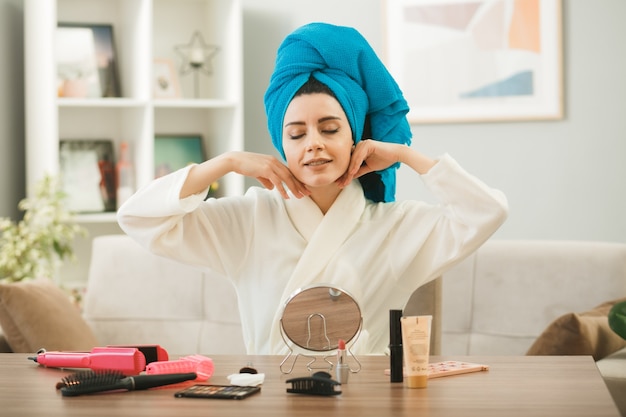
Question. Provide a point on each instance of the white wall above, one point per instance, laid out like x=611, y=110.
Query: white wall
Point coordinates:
x=564, y=179
x=11, y=107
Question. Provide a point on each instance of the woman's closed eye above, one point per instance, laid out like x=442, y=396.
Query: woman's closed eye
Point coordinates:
x=295, y=136
x=325, y=132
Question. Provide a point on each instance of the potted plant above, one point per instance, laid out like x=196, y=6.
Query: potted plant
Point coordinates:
x=38, y=244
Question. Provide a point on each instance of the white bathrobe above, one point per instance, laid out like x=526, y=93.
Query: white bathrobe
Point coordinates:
x=269, y=246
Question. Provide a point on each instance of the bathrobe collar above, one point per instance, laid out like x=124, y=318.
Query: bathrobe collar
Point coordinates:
x=324, y=235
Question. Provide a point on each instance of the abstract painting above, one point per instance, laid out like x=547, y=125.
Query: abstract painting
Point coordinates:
x=476, y=60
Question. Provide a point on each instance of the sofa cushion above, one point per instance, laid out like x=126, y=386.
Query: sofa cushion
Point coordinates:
x=37, y=314
x=585, y=333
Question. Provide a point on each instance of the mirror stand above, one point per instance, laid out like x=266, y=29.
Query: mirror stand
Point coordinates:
x=328, y=364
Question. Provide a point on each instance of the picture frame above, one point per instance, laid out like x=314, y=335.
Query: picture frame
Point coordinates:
x=459, y=61
x=86, y=61
x=173, y=152
x=87, y=173
x=165, y=82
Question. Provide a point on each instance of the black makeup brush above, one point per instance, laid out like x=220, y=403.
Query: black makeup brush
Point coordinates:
x=89, y=382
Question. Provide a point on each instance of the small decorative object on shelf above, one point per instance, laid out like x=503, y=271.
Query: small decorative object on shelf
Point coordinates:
x=165, y=81
x=196, y=57
x=36, y=246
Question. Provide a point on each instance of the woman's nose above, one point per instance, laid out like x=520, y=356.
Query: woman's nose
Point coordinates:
x=314, y=141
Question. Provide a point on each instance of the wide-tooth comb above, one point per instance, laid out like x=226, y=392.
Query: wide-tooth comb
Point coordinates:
x=90, y=382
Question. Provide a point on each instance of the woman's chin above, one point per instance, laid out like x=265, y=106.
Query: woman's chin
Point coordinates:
x=318, y=183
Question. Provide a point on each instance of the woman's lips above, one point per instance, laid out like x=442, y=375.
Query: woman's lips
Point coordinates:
x=317, y=162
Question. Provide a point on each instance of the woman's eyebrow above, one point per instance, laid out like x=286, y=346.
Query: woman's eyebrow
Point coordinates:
x=321, y=120
x=327, y=118
x=294, y=123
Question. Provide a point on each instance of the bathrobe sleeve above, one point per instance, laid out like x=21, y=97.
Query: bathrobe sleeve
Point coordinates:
x=468, y=213
x=189, y=229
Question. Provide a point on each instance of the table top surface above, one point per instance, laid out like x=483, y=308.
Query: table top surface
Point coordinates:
x=513, y=386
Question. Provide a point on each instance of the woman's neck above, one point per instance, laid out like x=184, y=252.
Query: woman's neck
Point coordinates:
x=324, y=197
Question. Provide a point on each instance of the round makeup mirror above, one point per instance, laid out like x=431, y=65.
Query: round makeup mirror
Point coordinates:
x=315, y=318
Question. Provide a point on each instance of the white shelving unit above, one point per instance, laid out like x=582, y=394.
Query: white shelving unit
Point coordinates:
x=143, y=30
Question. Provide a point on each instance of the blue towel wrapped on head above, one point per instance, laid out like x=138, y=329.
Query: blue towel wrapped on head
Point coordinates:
x=341, y=58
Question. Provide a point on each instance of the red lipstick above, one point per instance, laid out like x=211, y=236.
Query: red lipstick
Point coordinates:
x=343, y=370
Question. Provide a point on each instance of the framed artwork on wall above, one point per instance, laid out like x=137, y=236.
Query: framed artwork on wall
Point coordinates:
x=459, y=61
x=86, y=61
x=87, y=172
x=172, y=152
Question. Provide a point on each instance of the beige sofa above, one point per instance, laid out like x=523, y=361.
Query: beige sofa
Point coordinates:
x=499, y=301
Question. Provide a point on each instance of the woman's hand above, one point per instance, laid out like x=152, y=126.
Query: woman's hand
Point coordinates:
x=269, y=171
x=373, y=155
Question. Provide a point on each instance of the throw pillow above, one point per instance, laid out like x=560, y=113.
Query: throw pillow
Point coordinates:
x=585, y=333
x=37, y=314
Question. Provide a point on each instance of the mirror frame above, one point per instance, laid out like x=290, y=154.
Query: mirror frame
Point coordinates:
x=318, y=329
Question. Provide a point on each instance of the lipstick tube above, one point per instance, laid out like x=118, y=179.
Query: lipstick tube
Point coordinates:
x=342, y=371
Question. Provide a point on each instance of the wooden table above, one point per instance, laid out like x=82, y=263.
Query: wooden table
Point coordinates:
x=513, y=386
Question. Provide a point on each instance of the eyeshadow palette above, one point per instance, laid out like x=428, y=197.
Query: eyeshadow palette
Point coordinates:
x=447, y=368
x=232, y=392
x=439, y=369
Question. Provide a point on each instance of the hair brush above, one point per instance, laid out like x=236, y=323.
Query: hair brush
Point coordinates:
x=90, y=382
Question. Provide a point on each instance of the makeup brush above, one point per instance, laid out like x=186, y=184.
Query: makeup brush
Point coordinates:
x=90, y=382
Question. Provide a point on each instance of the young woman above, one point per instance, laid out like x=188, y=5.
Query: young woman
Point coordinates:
x=327, y=216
